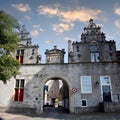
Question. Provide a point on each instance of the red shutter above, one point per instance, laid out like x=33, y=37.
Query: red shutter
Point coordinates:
x=21, y=94
x=21, y=59
x=16, y=94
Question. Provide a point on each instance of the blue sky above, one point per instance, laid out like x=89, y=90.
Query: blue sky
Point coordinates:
x=54, y=22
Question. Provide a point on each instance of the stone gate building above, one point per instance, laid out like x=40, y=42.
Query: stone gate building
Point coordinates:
x=91, y=77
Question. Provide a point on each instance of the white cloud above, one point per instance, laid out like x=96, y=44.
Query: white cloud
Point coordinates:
x=27, y=17
x=117, y=23
x=42, y=30
x=36, y=26
x=35, y=33
x=49, y=41
x=82, y=14
x=109, y=37
x=79, y=36
x=117, y=11
x=62, y=27
x=21, y=7
x=24, y=19
x=47, y=10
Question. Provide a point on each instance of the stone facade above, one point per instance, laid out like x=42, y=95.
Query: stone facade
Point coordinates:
x=93, y=46
x=92, y=69
x=55, y=55
x=27, y=53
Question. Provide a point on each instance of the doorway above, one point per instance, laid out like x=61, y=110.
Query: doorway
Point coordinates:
x=106, y=90
x=106, y=93
x=56, y=95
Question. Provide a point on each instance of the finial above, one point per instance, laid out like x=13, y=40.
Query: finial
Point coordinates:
x=91, y=20
x=55, y=47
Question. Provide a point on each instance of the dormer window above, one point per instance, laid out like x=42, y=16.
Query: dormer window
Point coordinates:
x=94, y=53
x=94, y=57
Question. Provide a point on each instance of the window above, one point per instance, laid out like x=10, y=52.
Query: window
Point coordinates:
x=86, y=86
x=105, y=80
x=106, y=90
x=84, y=103
x=77, y=48
x=94, y=57
x=19, y=90
x=20, y=56
x=94, y=53
x=33, y=52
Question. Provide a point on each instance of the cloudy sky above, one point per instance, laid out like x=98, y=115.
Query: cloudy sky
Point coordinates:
x=54, y=22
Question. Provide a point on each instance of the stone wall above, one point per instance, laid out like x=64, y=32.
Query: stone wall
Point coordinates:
x=110, y=107
x=36, y=75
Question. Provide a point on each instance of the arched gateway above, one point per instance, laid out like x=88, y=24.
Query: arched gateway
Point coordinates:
x=46, y=74
x=56, y=94
x=90, y=79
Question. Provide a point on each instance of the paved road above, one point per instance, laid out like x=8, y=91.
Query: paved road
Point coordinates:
x=53, y=114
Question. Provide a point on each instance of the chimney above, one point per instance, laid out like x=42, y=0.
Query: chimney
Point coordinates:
x=69, y=46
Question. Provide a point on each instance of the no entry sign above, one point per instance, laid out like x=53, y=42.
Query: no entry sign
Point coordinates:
x=74, y=90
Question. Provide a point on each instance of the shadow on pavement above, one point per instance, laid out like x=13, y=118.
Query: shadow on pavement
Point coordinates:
x=51, y=113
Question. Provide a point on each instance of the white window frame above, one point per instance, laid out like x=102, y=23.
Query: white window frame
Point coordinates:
x=86, y=102
x=107, y=82
x=20, y=83
x=19, y=86
x=94, y=56
x=88, y=84
x=21, y=52
x=94, y=53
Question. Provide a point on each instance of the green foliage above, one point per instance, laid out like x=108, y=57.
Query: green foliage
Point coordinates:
x=9, y=41
x=8, y=37
x=8, y=67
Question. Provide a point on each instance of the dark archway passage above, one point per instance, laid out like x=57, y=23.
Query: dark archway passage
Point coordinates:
x=56, y=96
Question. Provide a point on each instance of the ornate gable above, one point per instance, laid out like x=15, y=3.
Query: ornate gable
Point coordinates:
x=92, y=33
x=55, y=55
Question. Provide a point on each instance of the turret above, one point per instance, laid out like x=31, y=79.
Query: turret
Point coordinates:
x=25, y=36
x=69, y=50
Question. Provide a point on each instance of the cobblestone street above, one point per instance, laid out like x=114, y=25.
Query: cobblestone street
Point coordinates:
x=53, y=114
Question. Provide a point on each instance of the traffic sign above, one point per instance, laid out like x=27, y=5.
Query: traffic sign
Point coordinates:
x=74, y=90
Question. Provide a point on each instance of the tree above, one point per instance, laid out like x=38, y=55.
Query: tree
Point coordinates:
x=9, y=41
